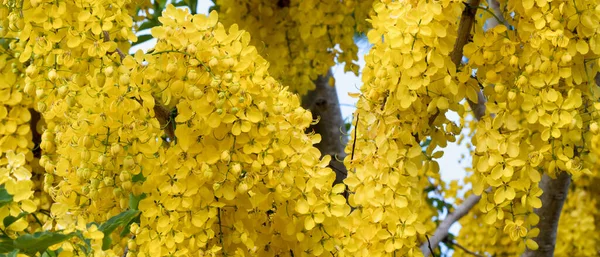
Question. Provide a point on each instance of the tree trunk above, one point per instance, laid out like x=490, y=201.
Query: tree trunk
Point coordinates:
x=324, y=105
x=553, y=198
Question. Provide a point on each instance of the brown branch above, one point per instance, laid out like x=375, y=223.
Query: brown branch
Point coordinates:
x=479, y=107
x=106, y=37
x=36, y=138
x=126, y=251
x=464, y=33
x=429, y=246
x=554, y=195
x=163, y=115
x=464, y=30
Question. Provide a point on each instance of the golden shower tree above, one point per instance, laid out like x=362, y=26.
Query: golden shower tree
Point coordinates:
x=224, y=137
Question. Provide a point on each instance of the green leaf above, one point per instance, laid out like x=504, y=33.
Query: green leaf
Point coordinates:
x=429, y=189
x=193, y=6
x=426, y=143
x=148, y=25
x=214, y=8
x=39, y=241
x=49, y=254
x=113, y=223
x=7, y=247
x=134, y=200
x=126, y=230
x=142, y=39
x=13, y=253
x=161, y=4
x=86, y=248
x=181, y=3
x=5, y=197
x=10, y=219
x=138, y=178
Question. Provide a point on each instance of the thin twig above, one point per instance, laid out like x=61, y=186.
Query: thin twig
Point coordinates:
x=106, y=37
x=37, y=220
x=337, y=169
x=462, y=248
x=127, y=247
x=429, y=244
x=354, y=141
x=220, y=232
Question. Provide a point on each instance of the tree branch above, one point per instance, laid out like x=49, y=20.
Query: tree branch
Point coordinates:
x=464, y=32
x=498, y=15
x=442, y=230
x=553, y=198
x=36, y=138
x=448, y=241
x=106, y=37
x=163, y=115
x=324, y=105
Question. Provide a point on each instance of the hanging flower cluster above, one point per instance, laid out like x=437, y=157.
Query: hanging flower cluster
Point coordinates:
x=537, y=73
x=301, y=39
x=410, y=83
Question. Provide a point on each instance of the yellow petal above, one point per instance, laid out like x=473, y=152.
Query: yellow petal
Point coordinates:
x=302, y=206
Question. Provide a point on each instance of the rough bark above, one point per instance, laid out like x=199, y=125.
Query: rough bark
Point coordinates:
x=553, y=198
x=324, y=105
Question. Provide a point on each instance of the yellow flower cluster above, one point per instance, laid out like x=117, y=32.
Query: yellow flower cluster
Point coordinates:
x=198, y=150
x=537, y=73
x=577, y=234
x=577, y=229
x=195, y=134
x=240, y=177
x=95, y=127
x=19, y=174
x=301, y=39
x=410, y=83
